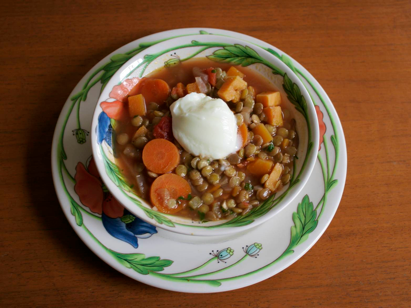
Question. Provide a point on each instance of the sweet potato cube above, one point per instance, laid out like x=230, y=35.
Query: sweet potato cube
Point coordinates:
x=260, y=167
x=269, y=99
x=232, y=72
x=274, y=115
x=137, y=105
x=231, y=89
x=142, y=131
x=193, y=87
x=274, y=177
x=262, y=131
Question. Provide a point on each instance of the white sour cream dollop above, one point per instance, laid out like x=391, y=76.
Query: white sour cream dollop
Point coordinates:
x=204, y=126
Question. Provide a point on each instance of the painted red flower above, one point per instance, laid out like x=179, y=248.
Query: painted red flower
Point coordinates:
x=117, y=221
x=321, y=125
x=121, y=91
x=89, y=188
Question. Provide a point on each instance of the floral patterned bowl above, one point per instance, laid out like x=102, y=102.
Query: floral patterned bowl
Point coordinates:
x=278, y=69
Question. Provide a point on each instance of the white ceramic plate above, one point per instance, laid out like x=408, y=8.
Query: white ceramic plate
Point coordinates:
x=180, y=262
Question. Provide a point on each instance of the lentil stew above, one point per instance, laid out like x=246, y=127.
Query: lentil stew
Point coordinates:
x=177, y=182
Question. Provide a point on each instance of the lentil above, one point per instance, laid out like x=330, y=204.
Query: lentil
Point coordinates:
x=137, y=121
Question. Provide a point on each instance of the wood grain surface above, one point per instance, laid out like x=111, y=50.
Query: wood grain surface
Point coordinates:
x=360, y=52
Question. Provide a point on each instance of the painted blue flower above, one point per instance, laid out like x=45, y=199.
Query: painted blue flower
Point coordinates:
x=253, y=249
x=104, y=129
x=223, y=254
x=128, y=228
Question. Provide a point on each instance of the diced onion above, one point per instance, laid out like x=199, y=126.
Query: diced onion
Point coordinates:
x=197, y=72
x=201, y=85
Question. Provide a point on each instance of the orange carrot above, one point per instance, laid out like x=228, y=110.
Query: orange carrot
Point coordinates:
x=243, y=131
x=136, y=89
x=160, y=156
x=155, y=90
x=166, y=187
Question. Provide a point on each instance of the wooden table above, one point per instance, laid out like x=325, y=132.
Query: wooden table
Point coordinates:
x=360, y=51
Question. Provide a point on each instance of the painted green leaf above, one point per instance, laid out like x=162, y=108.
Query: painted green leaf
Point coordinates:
x=154, y=268
x=75, y=211
x=223, y=53
x=203, y=32
x=164, y=263
x=108, y=74
x=237, y=55
x=135, y=257
x=123, y=262
x=294, y=96
x=148, y=261
x=140, y=269
x=113, y=65
x=288, y=62
x=236, y=51
x=305, y=222
x=274, y=52
x=120, y=58
x=252, y=53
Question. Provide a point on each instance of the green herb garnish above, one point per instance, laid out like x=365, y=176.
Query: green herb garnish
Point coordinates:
x=213, y=71
x=201, y=215
x=270, y=147
x=189, y=197
x=248, y=186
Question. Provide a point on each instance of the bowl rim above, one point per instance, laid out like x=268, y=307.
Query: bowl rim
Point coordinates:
x=196, y=229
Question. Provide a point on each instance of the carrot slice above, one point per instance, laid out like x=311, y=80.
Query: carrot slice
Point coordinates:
x=155, y=90
x=243, y=133
x=136, y=89
x=166, y=187
x=160, y=156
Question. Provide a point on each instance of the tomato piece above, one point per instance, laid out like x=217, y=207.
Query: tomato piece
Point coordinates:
x=164, y=130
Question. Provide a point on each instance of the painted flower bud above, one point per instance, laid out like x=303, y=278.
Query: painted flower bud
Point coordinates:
x=80, y=135
x=172, y=62
x=254, y=249
x=225, y=254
